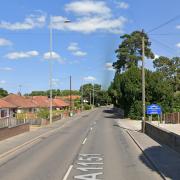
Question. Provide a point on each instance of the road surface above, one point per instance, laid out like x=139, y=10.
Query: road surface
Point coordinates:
x=92, y=147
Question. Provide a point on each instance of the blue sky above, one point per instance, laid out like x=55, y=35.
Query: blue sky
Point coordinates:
x=83, y=48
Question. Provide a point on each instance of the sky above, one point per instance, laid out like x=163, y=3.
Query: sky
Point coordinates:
x=83, y=48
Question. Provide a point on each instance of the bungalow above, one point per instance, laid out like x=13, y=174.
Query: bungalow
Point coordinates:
x=6, y=109
x=44, y=102
x=22, y=104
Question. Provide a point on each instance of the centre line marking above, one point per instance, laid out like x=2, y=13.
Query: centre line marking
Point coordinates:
x=68, y=172
x=84, y=141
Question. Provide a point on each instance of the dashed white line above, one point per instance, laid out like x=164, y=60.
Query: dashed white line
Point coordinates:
x=68, y=172
x=84, y=141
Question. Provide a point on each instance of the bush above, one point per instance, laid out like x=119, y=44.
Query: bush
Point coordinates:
x=136, y=110
x=43, y=114
x=87, y=107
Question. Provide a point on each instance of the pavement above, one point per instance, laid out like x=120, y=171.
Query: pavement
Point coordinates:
x=165, y=160
x=88, y=147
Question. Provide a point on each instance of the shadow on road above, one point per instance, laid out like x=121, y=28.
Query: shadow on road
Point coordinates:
x=168, y=166
x=113, y=113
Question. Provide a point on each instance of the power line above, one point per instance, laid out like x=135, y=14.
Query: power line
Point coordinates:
x=165, y=45
x=165, y=34
x=164, y=24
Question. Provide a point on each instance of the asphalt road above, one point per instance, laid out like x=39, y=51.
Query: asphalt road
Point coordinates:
x=90, y=148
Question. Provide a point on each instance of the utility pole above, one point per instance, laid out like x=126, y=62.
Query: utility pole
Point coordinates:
x=70, y=94
x=143, y=85
x=90, y=98
x=50, y=71
x=93, y=95
x=82, y=93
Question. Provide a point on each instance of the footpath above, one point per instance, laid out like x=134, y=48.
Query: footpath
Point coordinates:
x=165, y=160
x=9, y=145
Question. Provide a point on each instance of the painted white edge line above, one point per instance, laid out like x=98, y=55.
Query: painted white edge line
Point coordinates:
x=84, y=141
x=27, y=143
x=68, y=172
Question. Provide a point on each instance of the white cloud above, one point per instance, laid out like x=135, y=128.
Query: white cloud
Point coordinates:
x=178, y=45
x=109, y=66
x=21, y=55
x=5, y=42
x=122, y=5
x=79, y=53
x=30, y=22
x=2, y=82
x=156, y=56
x=178, y=27
x=74, y=48
x=55, y=56
x=5, y=69
x=92, y=16
x=55, y=81
x=92, y=24
x=89, y=78
x=88, y=7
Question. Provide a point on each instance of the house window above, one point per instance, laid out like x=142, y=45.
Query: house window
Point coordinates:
x=3, y=113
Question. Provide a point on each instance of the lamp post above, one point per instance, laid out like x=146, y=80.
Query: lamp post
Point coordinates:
x=51, y=66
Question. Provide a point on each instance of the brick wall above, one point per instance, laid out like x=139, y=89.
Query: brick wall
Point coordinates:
x=163, y=136
x=9, y=132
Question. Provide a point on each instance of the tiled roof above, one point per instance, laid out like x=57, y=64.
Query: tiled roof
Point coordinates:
x=40, y=101
x=4, y=104
x=19, y=101
x=44, y=102
x=59, y=103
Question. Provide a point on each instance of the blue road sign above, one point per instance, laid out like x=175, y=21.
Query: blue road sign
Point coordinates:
x=153, y=109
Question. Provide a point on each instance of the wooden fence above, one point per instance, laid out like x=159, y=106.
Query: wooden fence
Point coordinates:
x=173, y=118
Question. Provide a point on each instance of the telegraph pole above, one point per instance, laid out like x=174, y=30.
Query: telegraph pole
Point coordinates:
x=82, y=93
x=50, y=71
x=70, y=81
x=143, y=85
x=93, y=95
x=90, y=98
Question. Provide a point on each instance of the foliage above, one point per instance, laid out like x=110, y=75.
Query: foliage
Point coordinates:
x=55, y=92
x=170, y=68
x=3, y=93
x=162, y=85
x=43, y=113
x=130, y=50
x=86, y=106
x=101, y=97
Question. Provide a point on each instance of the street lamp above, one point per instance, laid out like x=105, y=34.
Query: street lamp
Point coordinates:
x=50, y=66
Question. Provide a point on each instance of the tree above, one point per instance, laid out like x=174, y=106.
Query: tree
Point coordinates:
x=129, y=52
x=170, y=68
x=101, y=97
x=3, y=93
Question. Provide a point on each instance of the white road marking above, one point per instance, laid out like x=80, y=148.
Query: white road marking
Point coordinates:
x=91, y=128
x=84, y=141
x=85, y=169
x=89, y=176
x=89, y=163
x=89, y=158
x=89, y=154
x=68, y=172
x=17, y=148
